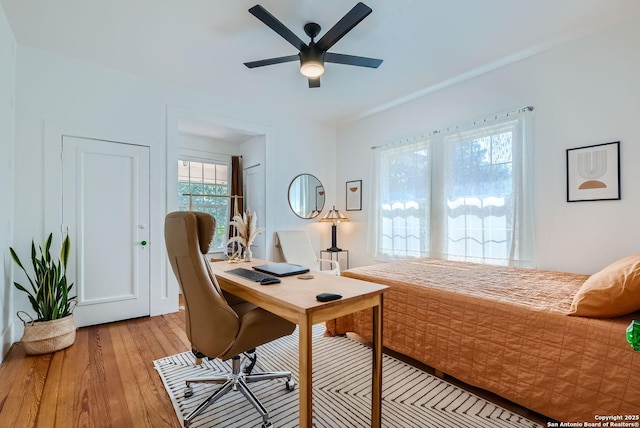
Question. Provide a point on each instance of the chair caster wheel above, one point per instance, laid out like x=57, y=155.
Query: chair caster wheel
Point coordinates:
x=290, y=385
x=188, y=392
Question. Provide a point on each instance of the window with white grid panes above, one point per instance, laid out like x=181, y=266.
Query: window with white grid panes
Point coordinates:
x=208, y=183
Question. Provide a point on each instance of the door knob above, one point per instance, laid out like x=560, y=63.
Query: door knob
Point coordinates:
x=143, y=243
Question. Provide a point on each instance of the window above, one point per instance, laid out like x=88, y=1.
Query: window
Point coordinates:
x=405, y=197
x=461, y=195
x=479, y=191
x=211, y=180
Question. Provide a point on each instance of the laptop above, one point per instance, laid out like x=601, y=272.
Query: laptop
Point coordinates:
x=281, y=269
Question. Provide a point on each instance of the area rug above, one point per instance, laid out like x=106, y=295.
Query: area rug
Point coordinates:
x=341, y=391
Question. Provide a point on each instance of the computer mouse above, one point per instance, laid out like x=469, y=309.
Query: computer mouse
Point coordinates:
x=327, y=297
x=268, y=281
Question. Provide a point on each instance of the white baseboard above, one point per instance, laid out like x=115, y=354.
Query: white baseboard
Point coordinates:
x=7, y=340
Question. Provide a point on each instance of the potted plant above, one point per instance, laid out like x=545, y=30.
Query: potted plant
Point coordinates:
x=53, y=327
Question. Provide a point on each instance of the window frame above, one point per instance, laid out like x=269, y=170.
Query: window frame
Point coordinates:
x=517, y=207
x=200, y=156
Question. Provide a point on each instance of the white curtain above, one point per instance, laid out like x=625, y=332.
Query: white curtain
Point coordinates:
x=400, y=200
x=465, y=194
x=486, y=214
x=523, y=241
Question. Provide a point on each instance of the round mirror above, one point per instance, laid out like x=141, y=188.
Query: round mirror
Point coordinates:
x=306, y=196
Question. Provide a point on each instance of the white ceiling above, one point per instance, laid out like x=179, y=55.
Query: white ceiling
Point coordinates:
x=202, y=44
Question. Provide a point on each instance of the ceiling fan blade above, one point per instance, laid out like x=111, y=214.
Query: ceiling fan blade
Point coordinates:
x=360, y=61
x=314, y=82
x=271, y=61
x=272, y=22
x=359, y=12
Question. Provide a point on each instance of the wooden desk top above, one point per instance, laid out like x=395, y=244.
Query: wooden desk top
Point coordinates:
x=294, y=298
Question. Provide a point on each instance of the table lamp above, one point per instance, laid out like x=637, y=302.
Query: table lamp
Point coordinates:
x=335, y=217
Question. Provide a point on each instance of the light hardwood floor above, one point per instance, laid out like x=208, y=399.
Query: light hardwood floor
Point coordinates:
x=107, y=379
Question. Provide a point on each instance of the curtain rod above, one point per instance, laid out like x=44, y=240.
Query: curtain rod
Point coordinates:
x=252, y=166
x=448, y=128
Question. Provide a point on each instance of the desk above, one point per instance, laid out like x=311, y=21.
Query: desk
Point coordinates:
x=294, y=300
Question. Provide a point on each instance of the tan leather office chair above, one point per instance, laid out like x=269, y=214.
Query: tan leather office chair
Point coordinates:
x=218, y=324
x=296, y=249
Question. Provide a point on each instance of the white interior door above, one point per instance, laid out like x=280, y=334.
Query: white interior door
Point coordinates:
x=254, y=200
x=105, y=200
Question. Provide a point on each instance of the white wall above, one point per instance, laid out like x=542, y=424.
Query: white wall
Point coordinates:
x=7, y=89
x=208, y=144
x=584, y=92
x=54, y=89
x=322, y=164
x=253, y=163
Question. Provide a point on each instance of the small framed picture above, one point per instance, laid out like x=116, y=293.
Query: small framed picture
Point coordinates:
x=354, y=195
x=593, y=173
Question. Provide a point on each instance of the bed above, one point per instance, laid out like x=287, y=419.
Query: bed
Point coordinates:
x=507, y=330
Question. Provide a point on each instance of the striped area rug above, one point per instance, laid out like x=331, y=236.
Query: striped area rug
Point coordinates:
x=341, y=391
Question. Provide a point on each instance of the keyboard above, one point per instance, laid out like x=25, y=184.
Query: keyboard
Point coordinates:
x=253, y=275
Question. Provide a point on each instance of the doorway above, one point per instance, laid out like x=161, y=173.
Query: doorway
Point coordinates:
x=230, y=137
x=105, y=211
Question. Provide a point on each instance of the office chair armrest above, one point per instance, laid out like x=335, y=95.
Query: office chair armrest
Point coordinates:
x=334, y=265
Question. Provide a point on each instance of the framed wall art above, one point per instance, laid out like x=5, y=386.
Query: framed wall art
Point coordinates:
x=593, y=173
x=354, y=195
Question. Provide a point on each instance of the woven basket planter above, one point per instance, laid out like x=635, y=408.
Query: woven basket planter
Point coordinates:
x=44, y=337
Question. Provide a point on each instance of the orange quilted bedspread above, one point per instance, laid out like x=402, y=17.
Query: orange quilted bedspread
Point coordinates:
x=506, y=330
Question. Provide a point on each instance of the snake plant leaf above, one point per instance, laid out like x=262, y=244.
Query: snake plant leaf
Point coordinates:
x=63, y=301
x=58, y=273
x=64, y=251
x=17, y=261
x=35, y=306
x=21, y=288
x=15, y=258
x=43, y=259
x=47, y=248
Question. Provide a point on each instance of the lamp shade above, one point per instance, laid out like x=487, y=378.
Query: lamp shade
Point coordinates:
x=334, y=216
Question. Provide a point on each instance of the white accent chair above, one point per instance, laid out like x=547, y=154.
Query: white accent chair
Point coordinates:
x=296, y=249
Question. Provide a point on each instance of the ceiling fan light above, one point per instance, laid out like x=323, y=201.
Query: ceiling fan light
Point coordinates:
x=312, y=68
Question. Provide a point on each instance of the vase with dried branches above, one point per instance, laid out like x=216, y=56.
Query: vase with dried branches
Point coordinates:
x=246, y=232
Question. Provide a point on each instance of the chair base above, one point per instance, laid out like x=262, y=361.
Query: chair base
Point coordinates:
x=236, y=380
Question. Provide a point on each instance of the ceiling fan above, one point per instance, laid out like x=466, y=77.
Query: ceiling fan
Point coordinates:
x=312, y=56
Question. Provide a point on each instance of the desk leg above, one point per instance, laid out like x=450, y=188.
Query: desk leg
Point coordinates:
x=376, y=396
x=305, y=381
